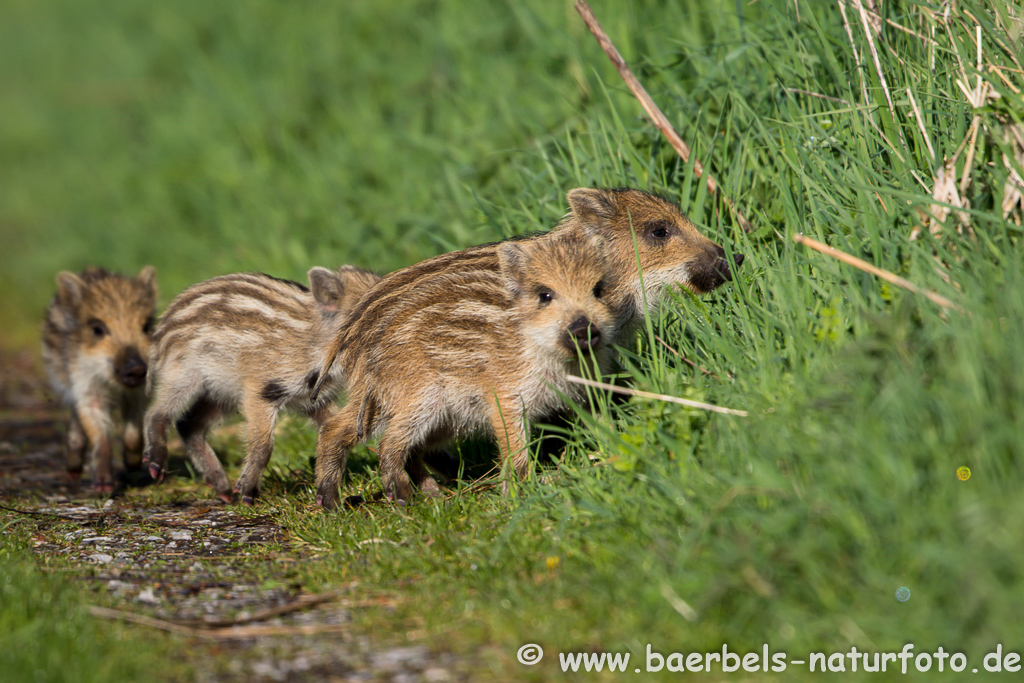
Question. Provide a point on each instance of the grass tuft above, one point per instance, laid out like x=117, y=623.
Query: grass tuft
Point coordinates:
x=206, y=139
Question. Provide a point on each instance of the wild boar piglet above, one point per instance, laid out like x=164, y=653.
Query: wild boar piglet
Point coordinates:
x=244, y=342
x=649, y=246
x=96, y=337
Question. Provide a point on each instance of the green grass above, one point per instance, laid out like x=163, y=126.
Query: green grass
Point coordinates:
x=207, y=139
x=46, y=634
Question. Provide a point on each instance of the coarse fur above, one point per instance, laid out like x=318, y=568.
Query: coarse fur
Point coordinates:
x=244, y=342
x=636, y=229
x=642, y=229
x=96, y=336
x=479, y=340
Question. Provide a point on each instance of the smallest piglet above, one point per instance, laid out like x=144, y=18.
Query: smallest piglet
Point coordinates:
x=95, y=343
x=244, y=343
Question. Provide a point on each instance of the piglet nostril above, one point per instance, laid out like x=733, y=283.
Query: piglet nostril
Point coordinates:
x=132, y=372
x=724, y=270
x=583, y=334
x=578, y=325
x=738, y=258
x=590, y=337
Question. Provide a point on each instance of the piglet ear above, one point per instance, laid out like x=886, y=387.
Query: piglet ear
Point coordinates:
x=355, y=282
x=514, y=262
x=592, y=207
x=70, y=289
x=147, y=278
x=327, y=289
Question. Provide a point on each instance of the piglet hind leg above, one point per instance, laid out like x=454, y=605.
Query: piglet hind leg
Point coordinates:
x=260, y=416
x=394, y=460
x=154, y=456
x=397, y=450
x=417, y=471
x=336, y=436
x=193, y=427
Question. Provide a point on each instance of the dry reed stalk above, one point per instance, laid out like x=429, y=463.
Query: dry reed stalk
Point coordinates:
x=684, y=358
x=853, y=47
x=657, y=397
x=660, y=121
x=920, y=123
x=878, y=66
x=301, y=603
x=886, y=275
x=232, y=629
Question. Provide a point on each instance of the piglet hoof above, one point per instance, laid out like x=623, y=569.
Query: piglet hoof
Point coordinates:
x=430, y=489
x=104, y=486
x=156, y=472
x=248, y=500
x=74, y=475
x=394, y=496
x=327, y=502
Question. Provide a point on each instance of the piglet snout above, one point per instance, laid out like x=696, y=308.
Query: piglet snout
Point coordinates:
x=582, y=334
x=132, y=371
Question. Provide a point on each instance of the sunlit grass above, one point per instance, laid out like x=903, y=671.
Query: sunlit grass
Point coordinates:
x=46, y=633
x=794, y=526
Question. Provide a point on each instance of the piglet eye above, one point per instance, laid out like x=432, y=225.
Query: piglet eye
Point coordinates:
x=599, y=290
x=147, y=327
x=659, y=230
x=544, y=296
x=98, y=328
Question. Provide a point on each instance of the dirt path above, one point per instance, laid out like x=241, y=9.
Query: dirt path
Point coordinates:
x=192, y=567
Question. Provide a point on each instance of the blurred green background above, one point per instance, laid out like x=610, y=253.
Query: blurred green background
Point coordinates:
x=207, y=138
